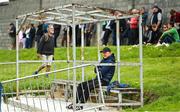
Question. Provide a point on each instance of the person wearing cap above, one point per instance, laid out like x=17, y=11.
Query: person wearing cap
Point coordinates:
x=106, y=74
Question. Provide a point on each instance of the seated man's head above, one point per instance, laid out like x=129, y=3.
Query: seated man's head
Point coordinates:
x=170, y=25
x=172, y=12
x=165, y=27
x=106, y=52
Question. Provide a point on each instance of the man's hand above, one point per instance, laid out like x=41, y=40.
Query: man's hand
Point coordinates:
x=39, y=56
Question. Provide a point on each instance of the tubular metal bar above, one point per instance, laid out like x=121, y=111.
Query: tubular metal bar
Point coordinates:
x=68, y=48
x=123, y=104
x=107, y=19
x=100, y=86
x=78, y=61
x=141, y=59
x=60, y=70
x=74, y=57
x=98, y=41
x=22, y=23
x=118, y=48
x=46, y=10
x=17, y=60
x=82, y=50
x=58, y=23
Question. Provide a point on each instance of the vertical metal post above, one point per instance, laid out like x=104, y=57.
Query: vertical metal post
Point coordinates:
x=141, y=59
x=17, y=60
x=118, y=49
x=82, y=50
x=74, y=57
x=40, y=4
x=98, y=40
x=68, y=47
x=100, y=86
x=133, y=4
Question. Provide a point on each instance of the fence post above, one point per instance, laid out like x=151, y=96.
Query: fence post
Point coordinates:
x=1, y=90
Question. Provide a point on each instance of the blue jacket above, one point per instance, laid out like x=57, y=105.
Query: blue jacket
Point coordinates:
x=107, y=72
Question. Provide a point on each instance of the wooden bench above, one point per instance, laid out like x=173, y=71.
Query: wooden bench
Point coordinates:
x=119, y=92
x=68, y=87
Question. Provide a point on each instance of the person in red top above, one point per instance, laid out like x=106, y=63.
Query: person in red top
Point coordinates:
x=175, y=18
x=134, y=28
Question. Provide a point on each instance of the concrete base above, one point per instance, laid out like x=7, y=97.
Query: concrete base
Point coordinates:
x=43, y=104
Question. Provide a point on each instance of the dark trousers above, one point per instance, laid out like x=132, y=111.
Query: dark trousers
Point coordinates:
x=37, y=39
x=27, y=43
x=84, y=88
x=179, y=31
x=55, y=39
x=133, y=39
x=168, y=40
x=106, y=36
x=31, y=41
x=114, y=37
x=88, y=39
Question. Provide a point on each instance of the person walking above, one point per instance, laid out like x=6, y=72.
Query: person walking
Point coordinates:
x=46, y=50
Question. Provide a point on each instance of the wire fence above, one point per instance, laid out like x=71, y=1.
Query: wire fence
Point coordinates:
x=49, y=93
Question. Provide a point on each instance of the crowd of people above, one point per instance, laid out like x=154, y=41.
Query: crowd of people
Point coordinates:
x=155, y=30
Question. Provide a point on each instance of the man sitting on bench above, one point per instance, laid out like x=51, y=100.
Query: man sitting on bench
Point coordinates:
x=106, y=74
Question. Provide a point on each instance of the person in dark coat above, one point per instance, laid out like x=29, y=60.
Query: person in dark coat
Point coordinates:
x=106, y=74
x=39, y=33
x=46, y=49
x=32, y=34
x=12, y=34
x=57, y=29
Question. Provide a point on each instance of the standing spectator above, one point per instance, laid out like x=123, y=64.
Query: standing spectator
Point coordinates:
x=39, y=33
x=57, y=29
x=45, y=26
x=134, y=28
x=175, y=18
x=78, y=35
x=46, y=50
x=12, y=34
x=89, y=28
x=27, y=32
x=32, y=34
x=107, y=31
x=108, y=27
x=64, y=39
x=144, y=14
x=22, y=37
x=156, y=17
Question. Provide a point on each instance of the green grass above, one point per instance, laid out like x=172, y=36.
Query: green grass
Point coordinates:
x=161, y=72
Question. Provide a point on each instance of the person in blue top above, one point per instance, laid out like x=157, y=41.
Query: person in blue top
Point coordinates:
x=106, y=74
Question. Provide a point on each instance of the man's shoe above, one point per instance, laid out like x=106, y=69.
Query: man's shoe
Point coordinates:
x=36, y=72
x=77, y=107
